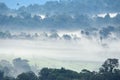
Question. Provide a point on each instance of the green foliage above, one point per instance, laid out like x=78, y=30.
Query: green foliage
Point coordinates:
x=109, y=65
x=27, y=76
x=57, y=74
x=108, y=71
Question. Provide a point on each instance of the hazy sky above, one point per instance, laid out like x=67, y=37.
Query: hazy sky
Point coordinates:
x=13, y=3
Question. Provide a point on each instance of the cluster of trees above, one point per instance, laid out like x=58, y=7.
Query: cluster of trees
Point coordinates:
x=74, y=6
x=17, y=66
x=41, y=36
x=71, y=7
x=23, y=18
x=102, y=33
x=108, y=71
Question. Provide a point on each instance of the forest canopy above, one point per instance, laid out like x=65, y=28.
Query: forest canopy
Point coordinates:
x=108, y=71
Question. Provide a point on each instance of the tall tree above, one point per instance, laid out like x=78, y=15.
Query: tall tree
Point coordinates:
x=109, y=65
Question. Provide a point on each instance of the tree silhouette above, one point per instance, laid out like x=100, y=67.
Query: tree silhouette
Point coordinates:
x=27, y=76
x=109, y=65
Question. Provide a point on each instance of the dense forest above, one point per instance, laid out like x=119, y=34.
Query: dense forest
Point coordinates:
x=72, y=30
x=108, y=71
x=61, y=15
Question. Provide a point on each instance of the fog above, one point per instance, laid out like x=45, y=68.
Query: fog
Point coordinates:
x=72, y=54
x=73, y=34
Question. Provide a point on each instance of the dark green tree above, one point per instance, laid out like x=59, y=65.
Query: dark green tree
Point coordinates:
x=109, y=65
x=27, y=76
x=86, y=75
x=58, y=74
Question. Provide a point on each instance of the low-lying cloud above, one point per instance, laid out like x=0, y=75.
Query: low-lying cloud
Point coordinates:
x=69, y=49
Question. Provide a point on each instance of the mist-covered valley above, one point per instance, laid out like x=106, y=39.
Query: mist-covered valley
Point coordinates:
x=73, y=34
x=73, y=50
